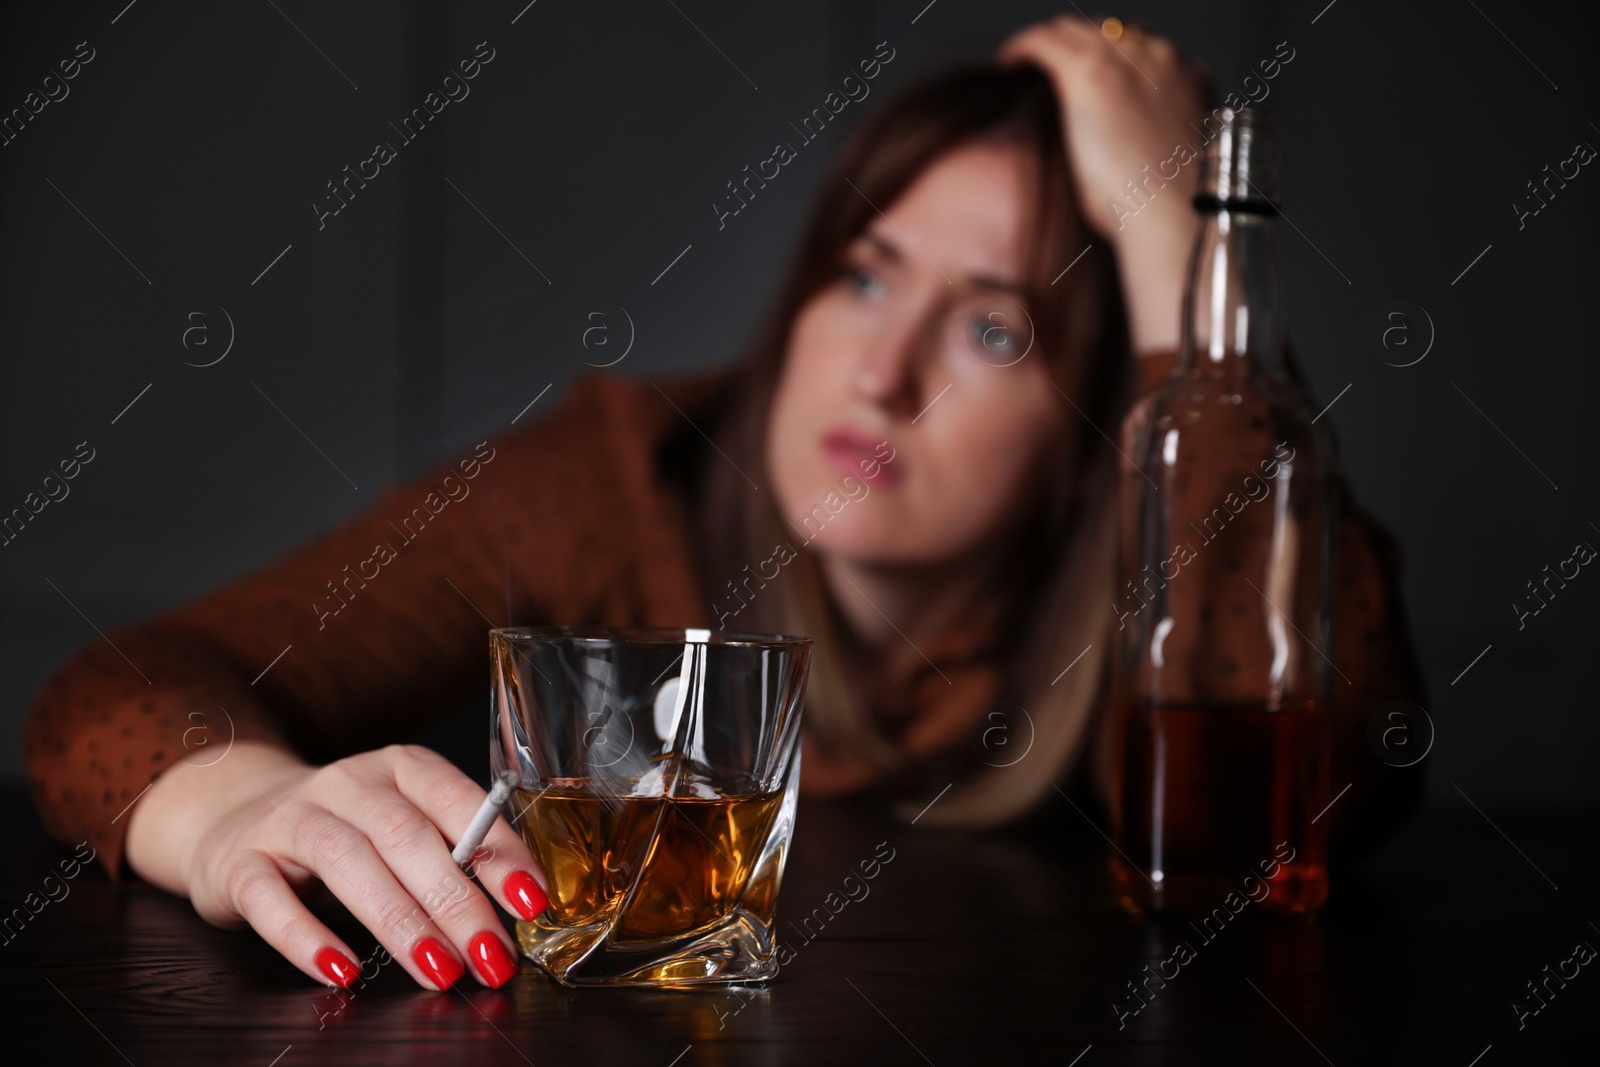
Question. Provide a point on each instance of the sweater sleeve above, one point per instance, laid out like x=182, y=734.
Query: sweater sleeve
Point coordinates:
x=376, y=626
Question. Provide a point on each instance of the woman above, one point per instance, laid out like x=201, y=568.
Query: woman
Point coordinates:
x=882, y=473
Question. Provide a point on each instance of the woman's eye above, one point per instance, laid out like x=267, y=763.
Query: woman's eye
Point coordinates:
x=1000, y=333
x=990, y=334
x=864, y=282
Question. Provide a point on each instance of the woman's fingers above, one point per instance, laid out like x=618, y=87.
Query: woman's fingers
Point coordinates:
x=258, y=892
x=518, y=883
x=373, y=829
x=1127, y=98
x=1043, y=42
x=1061, y=39
x=1070, y=48
x=503, y=862
x=352, y=869
x=410, y=843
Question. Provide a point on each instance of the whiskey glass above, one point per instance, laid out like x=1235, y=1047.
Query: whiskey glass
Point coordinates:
x=657, y=776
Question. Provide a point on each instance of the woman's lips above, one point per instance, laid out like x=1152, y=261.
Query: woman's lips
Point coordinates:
x=859, y=455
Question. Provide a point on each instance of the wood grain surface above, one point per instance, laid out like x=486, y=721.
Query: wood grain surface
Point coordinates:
x=964, y=949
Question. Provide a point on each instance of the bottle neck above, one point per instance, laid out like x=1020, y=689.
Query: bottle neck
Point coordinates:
x=1233, y=317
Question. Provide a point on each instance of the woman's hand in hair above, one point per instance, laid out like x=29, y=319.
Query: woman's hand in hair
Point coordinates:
x=375, y=829
x=1127, y=105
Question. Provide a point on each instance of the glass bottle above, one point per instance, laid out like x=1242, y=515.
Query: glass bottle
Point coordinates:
x=1224, y=671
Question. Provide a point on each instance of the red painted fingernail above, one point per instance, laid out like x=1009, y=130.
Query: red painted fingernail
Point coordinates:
x=340, y=969
x=490, y=957
x=435, y=961
x=525, y=895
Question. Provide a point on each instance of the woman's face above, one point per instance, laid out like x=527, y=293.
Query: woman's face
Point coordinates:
x=922, y=341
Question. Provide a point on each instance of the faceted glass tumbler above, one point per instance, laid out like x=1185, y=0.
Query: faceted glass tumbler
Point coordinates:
x=657, y=777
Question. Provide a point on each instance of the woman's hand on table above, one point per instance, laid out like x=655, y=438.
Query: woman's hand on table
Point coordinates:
x=245, y=837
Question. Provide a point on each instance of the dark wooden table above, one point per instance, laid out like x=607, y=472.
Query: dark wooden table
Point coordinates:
x=988, y=949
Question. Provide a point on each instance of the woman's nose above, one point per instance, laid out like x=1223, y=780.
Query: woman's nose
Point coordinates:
x=889, y=362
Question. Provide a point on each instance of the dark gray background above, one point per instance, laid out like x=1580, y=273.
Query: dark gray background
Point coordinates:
x=596, y=141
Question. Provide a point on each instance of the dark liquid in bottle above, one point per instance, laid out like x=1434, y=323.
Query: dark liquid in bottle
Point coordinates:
x=1210, y=796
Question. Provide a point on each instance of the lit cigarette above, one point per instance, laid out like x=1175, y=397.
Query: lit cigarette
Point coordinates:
x=487, y=811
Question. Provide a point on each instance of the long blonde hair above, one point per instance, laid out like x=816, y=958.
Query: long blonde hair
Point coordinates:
x=1058, y=594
